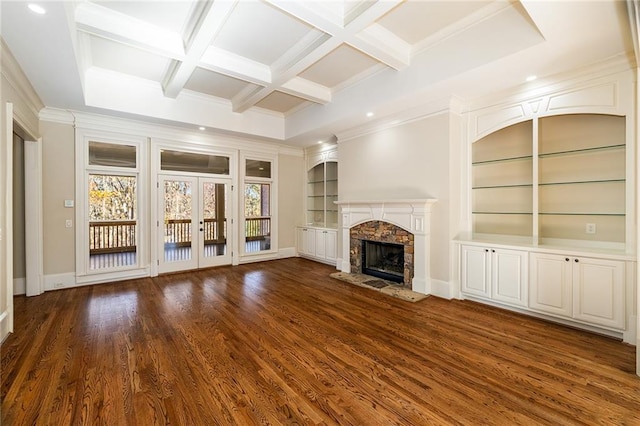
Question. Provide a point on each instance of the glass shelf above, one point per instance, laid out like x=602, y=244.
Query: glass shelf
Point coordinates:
x=502, y=160
x=523, y=213
x=581, y=214
x=321, y=192
x=583, y=182
x=582, y=150
x=524, y=185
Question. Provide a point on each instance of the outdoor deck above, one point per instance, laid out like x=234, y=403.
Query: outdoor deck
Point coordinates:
x=112, y=244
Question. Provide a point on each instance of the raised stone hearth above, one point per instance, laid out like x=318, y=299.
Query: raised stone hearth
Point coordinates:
x=397, y=221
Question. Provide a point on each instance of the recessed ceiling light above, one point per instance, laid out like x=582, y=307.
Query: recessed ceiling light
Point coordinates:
x=319, y=141
x=369, y=114
x=532, y=77
x=37, y=9
x=202, y=128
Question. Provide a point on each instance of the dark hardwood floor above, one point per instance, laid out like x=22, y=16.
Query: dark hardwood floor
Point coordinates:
x=283, y=343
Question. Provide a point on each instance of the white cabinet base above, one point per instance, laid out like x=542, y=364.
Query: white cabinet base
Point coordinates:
x=578, y=289
x=318, y=244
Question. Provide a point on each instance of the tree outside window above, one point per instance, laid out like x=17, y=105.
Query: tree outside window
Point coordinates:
x=257, y=212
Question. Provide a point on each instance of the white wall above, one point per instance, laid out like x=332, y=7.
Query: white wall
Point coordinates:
x=412, y=160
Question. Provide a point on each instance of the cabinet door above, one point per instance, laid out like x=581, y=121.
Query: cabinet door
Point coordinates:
x=475, y=271
x=598, y=291
x=509, y=276
x=550, y=287
x=331, y=245
x=321, y=237
x=306, y=241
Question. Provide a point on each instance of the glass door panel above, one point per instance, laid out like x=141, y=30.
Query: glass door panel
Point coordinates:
x=178, y=239
x=214, y=248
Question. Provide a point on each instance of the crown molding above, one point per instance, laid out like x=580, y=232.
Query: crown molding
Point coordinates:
x=431, y=109
x=55, y=115
x=104, y=123
x=545, y=85
x=15, y=77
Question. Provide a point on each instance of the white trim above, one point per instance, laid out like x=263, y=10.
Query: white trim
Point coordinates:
x=157, y=145
x=273, y=204
x=7, y=238
x=424, y=111
x=413, y=215
x=58, y=281
x=442, y=289
x=167, y=132
x=19, y=286
x=83, y=170
x=286, y=252
x=34, y=240
x=12, y=72
x=5, y=326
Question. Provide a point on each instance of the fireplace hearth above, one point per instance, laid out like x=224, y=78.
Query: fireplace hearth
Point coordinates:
x=383, y=260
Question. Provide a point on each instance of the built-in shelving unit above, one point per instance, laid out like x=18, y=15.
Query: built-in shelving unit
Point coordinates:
x=552, y=178
x=322, y=191
x=502, y=186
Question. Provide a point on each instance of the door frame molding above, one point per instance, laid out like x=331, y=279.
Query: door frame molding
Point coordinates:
x=34, y=244
x=157, y=145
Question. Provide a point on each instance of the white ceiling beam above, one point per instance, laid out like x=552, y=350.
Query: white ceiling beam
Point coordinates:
x=329, y=35
x=211, y=22
x=383, y=45
x=306, y=52
x=227, y=63
x=104, y=22
x=373, y=43
x=306, y=89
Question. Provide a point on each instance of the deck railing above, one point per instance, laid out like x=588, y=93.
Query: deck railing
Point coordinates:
x=112, y=236
x=119, y=236
x=257, y=228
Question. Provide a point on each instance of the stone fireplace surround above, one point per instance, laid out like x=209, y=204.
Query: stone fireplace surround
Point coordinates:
x=412, y=215
x=383, y=232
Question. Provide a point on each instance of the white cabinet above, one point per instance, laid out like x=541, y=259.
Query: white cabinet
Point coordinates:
x=307, y=241
x=495, y=273
x=587, y=289
x=318, y=244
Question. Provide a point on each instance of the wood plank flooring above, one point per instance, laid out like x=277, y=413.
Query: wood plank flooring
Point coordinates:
x=282, y=343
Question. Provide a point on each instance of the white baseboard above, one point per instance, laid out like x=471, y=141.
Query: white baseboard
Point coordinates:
x=5, y=327
x=283, y=253
x=442, y=289
x=19, y=286
x=630, y=334
x=58, y=281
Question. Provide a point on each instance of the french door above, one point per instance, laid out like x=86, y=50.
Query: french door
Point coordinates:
x=193, y=229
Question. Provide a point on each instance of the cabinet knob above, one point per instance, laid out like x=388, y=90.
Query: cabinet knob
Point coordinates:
x=486, y=250
x=493, y=251
x=566, y=259
x=576, y=260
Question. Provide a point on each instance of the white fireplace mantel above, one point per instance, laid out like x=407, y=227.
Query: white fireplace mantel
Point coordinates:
x=414, y=215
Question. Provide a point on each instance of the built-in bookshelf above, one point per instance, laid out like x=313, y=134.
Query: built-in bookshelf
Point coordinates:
x=322, y=191
x=556, y=177
x=502, y=181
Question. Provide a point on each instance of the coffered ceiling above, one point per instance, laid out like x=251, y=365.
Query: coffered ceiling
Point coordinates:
x=292, y=71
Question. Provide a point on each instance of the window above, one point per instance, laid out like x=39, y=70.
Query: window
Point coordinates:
x=257, y=212
x=112, y=221
x=259, y=196
x=179, y=161
x=111, y=200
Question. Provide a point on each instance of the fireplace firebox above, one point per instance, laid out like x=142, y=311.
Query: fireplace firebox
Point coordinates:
x=383, y=260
